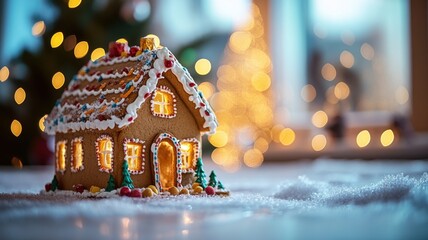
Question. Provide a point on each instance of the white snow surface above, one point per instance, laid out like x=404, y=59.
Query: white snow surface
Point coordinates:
x=323, y=199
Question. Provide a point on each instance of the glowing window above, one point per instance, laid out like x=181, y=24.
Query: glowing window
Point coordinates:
x=163, y=103
x=60, y=155
x=105, y=153
x=76, y=155
x=134, y=154
x=189, y=153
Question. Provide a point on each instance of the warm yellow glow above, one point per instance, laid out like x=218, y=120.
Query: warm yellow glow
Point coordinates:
x=81, y=49
x=259, y=59
x=387, y=138
x=261, y=144
x=347, y=59
x=16, y=128
x=57, y=39
x=253, y=158
x=276, y=132
x=58, y=80
x=218, y=139
x=4, y=73
x=38, y=28
x=134, y=156
x=240, y=41
x=401, y=95
x=308, y=93
x=207, y=89
x=287, y=136
x=363, y=138
x=328, y=72
x=105, y=153
x=341, y=91
x=97, y=53
x=203, y=66
x=260, y=81
x=42, y=122
x=122, y=40
x=77, y=154
x=74, y=3
x=156, y=40
x=319, y=142
x=319, y=119
x=163, y=103
x=187, y=154
x=60, y=155
x=20, y=96
x=367, y=51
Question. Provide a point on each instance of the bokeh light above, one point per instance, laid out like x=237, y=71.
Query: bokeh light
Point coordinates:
x=367, y=51
x=203, y=66
x=58, y=80
x=319, y=119
x=97, y=53
x=207, y=89
x=4, y=73
x=74, y=3
x=401, y=95
x=38, y=28
x=341, y=91
x=218, y=139
x=261, y=144
x=347, y=59
x=122, y=40
x=328, y=72
x=42, y=123
x=253, y=158
x=363, y=138
x=16, y=128
x=308, y=93
x=287, y=136
x=319, y=142
x=20, y=96
x=260, y=81
x=240, y=41
x=81, y=49
x=57, y=39
x=387, y=138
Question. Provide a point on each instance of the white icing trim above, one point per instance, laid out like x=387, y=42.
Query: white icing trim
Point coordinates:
x=97, y=147
x=56, y=156
x=166, y=90
x=143, y=153
x=73, y=169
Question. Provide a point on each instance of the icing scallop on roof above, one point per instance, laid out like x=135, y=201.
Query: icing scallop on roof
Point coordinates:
x=108, y=92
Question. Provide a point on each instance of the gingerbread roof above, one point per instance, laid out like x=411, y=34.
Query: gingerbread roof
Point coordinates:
x=108, y=92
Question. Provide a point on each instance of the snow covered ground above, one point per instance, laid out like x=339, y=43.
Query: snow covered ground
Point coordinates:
x=321, y=199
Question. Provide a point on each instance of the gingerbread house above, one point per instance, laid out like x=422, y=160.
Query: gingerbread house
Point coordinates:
x=136, y=104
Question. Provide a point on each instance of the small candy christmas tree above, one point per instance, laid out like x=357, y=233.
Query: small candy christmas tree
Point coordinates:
x=220, y=186
x=54, y=183
x=127, y=181
x=200, y=174
x=110, y=184
x=213, y=179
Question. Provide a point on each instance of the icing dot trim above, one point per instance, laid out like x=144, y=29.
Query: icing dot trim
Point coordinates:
x=143, y=153
x=163, y=104
x=61, y=146
x=72, y=162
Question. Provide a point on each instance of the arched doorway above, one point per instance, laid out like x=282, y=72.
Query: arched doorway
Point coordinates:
x=166, y=161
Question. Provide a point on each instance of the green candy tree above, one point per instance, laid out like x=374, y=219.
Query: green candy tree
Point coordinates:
x=54, y=183
x=110, y=184
x=200, y=174
x=220, y=186
x=213, y=179
x=127, y=181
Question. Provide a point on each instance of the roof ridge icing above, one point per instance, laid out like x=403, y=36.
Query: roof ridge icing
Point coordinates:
x=100, y=114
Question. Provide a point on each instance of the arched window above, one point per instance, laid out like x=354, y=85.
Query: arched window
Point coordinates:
x=104, y=146
x=163, y=103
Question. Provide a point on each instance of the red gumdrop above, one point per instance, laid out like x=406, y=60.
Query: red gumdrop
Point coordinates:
x=210, y=190
x=48, y=187
x=78, y=188
x=168, y=63
x=116, y=49
x=133, y=50
x=136, y=193
x=125, y=191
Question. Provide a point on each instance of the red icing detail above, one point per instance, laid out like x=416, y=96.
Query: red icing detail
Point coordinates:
x=158, y=75
x=168, y=63
x=202, y=104
x=207, y=113
x=133, y=50
x=126, y=70
x=78, y=188
x=101, y=117
x=116, y=49
x=146, y=95
x=130, y=119
x=110, y=71
x=191, y=84
x=48, y=187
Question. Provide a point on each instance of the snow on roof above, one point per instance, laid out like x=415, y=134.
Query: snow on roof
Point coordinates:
x=108, y=92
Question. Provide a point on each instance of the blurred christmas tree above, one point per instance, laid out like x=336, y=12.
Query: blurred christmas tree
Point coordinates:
x=40, y=77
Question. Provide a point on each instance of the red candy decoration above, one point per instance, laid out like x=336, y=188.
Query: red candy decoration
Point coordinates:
x=125, y=191
x=78, y=188
x=130, y=119
x=48, y=187
x=146, y=95
x=116, y=49
x=133, y=51
x=210, y=190
x=136, y=193
x=168, y=63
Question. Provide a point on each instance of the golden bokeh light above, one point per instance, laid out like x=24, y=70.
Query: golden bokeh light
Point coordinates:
x=319, y=142
x=42, y=123
x=401, y=95
x=347, y=59
x=74, y=3
x=58, y=80
x=261, y=144
x=240, y=41
x=341, y=91
x=203, y=66
x=276, y=132
x=97, y=53
x=387, y=138
x=328, y=72
x=20, y=96
x=16, y=128
x=367, y=51
x=308, y=93
x=218, y=139
x=207, y=89
x=363, y=138
x=260, y=81
x=319, y=119
x=253, y=158
x=57, y=39
x=4, y=73
x=122, y=40
x=287, y=136
x=81, y=49
x=38, y=29
x=155, y=39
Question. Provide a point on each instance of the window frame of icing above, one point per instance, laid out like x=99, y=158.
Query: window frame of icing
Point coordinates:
x=195, y=144
x=137, y=142
x=74, y=169
x=59, y=143
x=165, y=91
x=101, y=166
